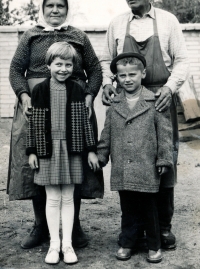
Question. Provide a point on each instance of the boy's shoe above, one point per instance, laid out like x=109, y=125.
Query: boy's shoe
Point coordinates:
x=69, y=255
x=37, y=236
x=154, y=256
x=79, y=238
x=52, y=256
x=123, y=254
x=168, y=240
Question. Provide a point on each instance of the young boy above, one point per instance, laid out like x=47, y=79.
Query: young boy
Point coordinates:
x=139, y=141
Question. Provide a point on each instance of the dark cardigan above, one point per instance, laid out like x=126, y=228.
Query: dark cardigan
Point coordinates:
x=80, y=135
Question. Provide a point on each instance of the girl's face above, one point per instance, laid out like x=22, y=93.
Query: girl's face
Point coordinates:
x=55, y=12
x=61, y=69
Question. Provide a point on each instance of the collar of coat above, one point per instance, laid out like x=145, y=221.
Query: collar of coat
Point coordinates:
x=41, y=93
x=142, y=105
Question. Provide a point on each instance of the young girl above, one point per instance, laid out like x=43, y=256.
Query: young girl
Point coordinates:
x=59, y=130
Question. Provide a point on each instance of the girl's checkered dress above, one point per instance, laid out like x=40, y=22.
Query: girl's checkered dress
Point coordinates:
x=61, y=168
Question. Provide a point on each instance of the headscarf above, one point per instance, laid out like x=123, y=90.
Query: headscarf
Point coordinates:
x=46, y=26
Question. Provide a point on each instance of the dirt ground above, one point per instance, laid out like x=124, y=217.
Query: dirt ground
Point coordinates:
x=101, y=221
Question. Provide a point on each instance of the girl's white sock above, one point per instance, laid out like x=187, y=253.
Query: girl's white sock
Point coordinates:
x=53, y=212
x=66, y=244
x=67, y=213
x=55, y=244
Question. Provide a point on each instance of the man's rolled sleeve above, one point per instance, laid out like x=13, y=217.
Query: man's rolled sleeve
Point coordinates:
x=109, y=52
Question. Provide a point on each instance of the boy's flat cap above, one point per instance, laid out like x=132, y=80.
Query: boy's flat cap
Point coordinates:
x=113, y=66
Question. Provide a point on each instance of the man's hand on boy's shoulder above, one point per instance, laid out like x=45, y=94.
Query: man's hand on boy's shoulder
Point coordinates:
x=108, y=92
x=162, y=170
x=164, y=100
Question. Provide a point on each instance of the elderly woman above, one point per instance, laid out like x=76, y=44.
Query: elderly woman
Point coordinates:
x=28, y=69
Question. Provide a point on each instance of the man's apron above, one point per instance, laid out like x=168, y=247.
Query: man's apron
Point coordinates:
x=157, y=76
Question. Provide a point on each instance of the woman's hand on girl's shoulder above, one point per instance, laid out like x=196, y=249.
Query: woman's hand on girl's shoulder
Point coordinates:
x=33, y=161
x=93, y=161
x=89, y=104
x=26, y=104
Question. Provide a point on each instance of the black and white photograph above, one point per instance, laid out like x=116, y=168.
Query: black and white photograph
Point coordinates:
x=100, y=134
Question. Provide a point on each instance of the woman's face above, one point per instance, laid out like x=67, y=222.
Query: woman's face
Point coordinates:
x=55, y=12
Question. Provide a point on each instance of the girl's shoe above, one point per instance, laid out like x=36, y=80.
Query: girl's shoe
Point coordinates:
x=69, y=255
x=53, y=256
x=154, y=256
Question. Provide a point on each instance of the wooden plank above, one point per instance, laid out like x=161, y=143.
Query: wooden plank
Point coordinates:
x=189, y=100
x=188, y=126
x=189, y=135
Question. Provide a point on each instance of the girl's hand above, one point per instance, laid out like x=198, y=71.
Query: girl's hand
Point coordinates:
x=33, y=161
x=89, y=104
x=26, y=104
x=93, y=161
x=162, y=170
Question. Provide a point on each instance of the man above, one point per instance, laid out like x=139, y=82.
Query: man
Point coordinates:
x=156, y=34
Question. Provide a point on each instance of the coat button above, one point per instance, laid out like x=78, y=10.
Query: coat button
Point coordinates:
x=129, y=161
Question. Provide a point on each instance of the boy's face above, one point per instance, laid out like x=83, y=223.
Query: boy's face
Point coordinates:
x=61, y=69
x=130, y=77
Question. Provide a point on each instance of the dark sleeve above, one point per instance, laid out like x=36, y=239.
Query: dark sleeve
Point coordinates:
x=164, y=136
x=19, y=65
x=30, y=138
x=92, y=68
x=88, y=132
x=104, y=144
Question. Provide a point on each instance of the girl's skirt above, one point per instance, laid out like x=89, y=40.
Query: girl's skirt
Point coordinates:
x=61, y=168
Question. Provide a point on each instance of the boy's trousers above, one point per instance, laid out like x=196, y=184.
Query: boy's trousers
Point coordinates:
x=139, y=208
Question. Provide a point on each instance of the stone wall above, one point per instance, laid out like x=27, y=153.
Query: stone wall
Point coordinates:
x=9, y=38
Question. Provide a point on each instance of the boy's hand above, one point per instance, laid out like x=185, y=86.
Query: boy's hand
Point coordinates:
x=33, y=161
x=162, y=170
x=93, y=161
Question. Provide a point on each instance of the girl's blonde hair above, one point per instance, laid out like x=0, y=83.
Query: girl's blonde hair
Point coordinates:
x=62, y=50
